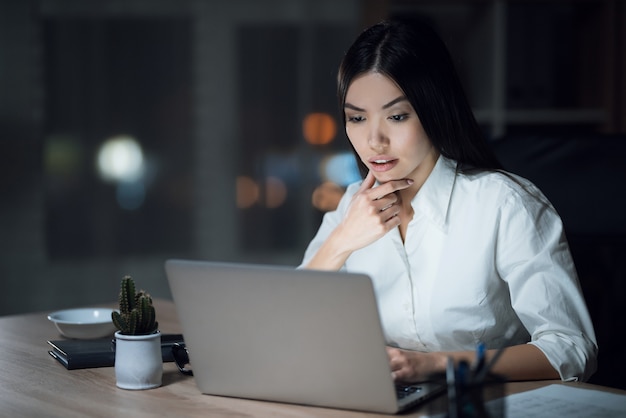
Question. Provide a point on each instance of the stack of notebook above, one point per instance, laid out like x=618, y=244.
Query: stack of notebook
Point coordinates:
x=100, y=352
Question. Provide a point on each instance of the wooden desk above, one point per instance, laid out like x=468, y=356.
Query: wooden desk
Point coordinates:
x=35, y=384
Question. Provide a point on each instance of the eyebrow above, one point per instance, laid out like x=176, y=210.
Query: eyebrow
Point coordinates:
x=385, y=106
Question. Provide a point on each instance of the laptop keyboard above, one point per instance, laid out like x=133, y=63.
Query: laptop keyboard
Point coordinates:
x=402, y=391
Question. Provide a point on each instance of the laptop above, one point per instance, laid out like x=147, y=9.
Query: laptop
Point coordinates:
x=280, y=334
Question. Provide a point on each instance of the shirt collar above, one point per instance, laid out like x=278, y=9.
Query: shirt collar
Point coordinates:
x=433, y=199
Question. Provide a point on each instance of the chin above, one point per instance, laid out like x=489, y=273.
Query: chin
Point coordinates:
x=383, y=178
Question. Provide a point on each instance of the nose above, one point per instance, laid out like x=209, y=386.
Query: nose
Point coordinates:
x=377, y=138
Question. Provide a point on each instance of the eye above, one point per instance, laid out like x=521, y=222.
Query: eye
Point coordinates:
x=355, y=118
x=399, y=118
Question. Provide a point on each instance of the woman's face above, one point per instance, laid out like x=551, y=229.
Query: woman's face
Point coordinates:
x=385, y=130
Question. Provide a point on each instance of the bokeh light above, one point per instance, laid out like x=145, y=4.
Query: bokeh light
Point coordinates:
x=63, y=155
x=326, y=196
x=120, y=159
x=340, y=168
x=247, y=192
x=275, y=192
x=130, y=194
x=319, y=128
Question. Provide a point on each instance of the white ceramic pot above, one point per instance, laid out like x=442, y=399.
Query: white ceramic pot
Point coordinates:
x=138, y=361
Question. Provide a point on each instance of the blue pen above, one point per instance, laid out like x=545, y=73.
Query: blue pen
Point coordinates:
x=479, y=361
x=451, y=382
x=463, y=374
x=508, y=337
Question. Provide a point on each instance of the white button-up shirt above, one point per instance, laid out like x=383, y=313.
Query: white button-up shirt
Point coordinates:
x=482, y=252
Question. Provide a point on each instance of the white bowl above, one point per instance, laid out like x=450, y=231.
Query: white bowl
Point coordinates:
x=84, y=323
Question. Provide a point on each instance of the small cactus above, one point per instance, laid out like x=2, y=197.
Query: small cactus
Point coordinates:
x=136, y=315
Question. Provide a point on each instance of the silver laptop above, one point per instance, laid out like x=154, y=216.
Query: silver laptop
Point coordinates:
x=286, y=335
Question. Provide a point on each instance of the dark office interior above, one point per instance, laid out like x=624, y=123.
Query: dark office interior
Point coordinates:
x=205, y=101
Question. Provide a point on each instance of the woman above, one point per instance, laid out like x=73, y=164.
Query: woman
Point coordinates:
x=459, y=251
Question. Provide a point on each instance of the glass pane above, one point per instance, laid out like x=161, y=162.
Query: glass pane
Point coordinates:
x=287, y=73
x=123, y=83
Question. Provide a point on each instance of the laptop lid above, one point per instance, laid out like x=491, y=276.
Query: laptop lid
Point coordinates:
x=286, y=335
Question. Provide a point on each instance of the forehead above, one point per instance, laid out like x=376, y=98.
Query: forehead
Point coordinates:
x=372, y=88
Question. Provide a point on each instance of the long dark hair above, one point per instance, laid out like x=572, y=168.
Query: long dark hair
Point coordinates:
x=415, y=57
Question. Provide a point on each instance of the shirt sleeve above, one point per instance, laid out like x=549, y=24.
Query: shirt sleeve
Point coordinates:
x=329, y=223
x=533, y=257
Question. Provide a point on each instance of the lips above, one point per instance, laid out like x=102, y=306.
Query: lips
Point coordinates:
x=382, y=163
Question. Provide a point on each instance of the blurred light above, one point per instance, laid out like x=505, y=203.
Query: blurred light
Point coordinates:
x=319, y=128
x=120, y=158
x=340, y=169
x=247, y=192
x=130, y=195
x=275, y=192
x=62, y=155
x=326, y=196
x=286, y=166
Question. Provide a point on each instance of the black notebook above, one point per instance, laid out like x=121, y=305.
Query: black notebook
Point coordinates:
x=100, y=352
